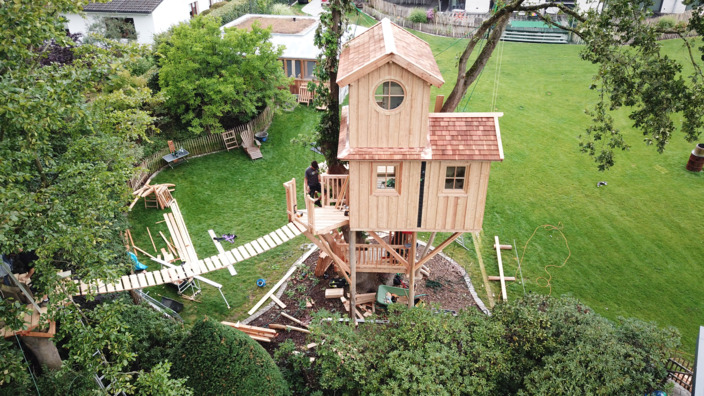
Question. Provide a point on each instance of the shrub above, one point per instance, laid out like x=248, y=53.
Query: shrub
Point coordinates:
x=153, y=335
x=533, y=346
x=217, y=5
x=218, y=360
x=418, y=15
x=281, y=9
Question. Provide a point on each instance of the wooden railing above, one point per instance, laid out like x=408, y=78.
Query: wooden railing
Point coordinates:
x=196, y=146
x=679, y=370
x=291, y=200
x=374, y=257
x=335, y=189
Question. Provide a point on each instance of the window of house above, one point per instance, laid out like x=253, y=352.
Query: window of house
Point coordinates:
x=455, y=178
x=293, y=68
x=120, y=28
x=194, y=9
x=310, y=68
x=386, y=177
x=389, y=95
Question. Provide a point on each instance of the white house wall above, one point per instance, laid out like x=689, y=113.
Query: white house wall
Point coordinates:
x=143, y=24
x=477, y=6
x=173, y=12
x=672, y=7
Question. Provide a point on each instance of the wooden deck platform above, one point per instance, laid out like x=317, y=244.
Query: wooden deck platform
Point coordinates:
x=325, y=219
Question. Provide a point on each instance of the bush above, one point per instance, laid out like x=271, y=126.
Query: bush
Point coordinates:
x=154, y=337
x=280, y=9
x=418, y=15
x=533, y=346
x=218, y=360
x=217, y=5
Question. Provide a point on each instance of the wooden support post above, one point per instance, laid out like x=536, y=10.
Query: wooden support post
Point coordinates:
x=353, y=273
x=501, y=268
x=438, y=103
x=428, y=245
x=412, y=269
x=478, y=250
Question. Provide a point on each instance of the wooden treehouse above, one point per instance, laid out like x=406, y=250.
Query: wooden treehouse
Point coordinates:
x=410, y=170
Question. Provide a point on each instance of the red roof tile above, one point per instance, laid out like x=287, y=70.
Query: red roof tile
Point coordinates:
x=387, y=41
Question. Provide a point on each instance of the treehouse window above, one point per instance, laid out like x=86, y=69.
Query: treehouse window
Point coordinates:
x=455, y=178
x=389, y=95
x=386, y=178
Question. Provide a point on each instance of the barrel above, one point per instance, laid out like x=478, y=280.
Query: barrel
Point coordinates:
x=696, y=159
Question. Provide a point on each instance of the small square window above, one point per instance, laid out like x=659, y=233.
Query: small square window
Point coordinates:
x=455, y=177
x=385, y=178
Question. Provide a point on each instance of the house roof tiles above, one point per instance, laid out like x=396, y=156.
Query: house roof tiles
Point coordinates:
x=124, y=6
x=387, y=42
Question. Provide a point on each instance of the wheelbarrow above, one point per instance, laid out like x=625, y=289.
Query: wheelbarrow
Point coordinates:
x=397, y=293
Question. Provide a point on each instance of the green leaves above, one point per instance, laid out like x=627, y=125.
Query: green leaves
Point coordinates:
x=534, y=346
x=214, y=79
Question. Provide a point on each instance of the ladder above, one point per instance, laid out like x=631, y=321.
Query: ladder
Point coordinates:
x=230, y=139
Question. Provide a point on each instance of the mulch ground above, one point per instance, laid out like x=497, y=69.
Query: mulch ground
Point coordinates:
x=445, y=288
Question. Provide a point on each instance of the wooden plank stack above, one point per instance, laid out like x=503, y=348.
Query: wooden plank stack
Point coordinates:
x=161, y=196
x=256, y=333
x=32, y=321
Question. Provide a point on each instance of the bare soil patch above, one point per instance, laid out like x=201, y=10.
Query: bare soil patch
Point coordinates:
x=445, y=288
x=278, y=25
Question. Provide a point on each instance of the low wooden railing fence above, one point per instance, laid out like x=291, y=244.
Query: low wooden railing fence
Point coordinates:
x=679, y=369
x=196, y=146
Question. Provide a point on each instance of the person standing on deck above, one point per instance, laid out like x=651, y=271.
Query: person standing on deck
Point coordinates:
x=313, y=180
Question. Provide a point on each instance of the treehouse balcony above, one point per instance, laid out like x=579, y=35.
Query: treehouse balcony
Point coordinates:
x=333, y=212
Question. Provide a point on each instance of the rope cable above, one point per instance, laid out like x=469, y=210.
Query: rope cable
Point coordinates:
x=548, y=279
x=497, y=75
x=28, y=366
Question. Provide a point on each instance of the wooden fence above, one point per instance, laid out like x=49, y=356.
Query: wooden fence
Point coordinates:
x=197, y=146
x=449, y=24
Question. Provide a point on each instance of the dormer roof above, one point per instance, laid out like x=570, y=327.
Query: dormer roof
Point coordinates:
x=124, y=6
x=387, y=42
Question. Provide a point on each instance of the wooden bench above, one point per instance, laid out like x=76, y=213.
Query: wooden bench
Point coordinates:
x=305, y=96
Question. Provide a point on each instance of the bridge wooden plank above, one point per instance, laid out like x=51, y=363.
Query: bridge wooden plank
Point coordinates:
x=282, y=235
x=179, y=273
x=270, y=241
x=276, y=238
x=150, y=278
x=157, y=278
x=165, y=275
x=126, y=282
x=263, y=244
x=294, y=229
x=209, y=264
x=238, y=256
x=135, y=282
x=257, y=247
x=119, y=286
x=230, y=257
x=244, y=252
x=110, y=287
x=288, y=232
x=142, y=280
x=202, y=266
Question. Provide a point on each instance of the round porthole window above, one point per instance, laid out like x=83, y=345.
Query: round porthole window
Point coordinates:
x=389, y=95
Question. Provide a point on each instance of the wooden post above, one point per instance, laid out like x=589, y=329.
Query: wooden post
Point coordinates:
x=353, y=275
x=412, y=271
x=438, y=102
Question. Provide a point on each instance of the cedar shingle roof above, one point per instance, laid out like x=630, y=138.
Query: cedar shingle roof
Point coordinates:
x=465, y=136
x=385, y=42
x=452, y=136
x=125, y=6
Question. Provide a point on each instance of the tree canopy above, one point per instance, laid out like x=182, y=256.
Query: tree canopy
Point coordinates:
x=632, y=72
x=536, y=345
x=214, y=78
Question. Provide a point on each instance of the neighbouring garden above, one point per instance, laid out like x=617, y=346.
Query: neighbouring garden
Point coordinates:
x=611, y=275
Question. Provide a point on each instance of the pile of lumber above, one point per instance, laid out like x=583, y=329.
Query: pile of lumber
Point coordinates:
x=162, y=196
x=364, y=305
x=179, y=234
x=256, y=333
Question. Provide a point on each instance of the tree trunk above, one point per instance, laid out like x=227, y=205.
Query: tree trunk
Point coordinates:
x=466, y=78
x=44, y=350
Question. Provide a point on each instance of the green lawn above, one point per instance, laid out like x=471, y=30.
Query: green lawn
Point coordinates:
x=635, y=244
x=229, y=193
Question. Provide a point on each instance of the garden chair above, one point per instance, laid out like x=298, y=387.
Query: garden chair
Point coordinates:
x=305, y=96
x=250, y=144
